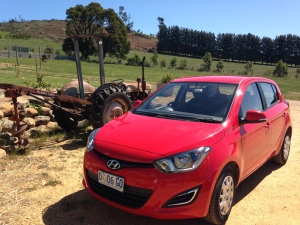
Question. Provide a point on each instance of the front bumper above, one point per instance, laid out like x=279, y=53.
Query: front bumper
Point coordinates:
x=151, y=193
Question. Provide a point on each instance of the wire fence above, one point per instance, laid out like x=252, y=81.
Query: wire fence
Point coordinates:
x=14, y=51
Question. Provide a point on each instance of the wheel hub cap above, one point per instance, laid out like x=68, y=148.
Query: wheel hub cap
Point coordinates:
x=226, y=195
x=286, y=148
x=114, y=110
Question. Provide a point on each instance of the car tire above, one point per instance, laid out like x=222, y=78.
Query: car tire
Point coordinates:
x=283, y=155
x=222, y=197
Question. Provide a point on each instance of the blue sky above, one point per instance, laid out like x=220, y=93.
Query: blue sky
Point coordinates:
x=268, y=18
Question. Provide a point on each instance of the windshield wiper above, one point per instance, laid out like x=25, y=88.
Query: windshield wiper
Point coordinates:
x=205, y=119
x=157, y=114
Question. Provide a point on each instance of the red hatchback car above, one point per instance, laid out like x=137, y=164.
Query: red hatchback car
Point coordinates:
x=183, y=151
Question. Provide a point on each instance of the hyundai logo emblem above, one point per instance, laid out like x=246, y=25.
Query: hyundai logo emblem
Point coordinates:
x=113, y=164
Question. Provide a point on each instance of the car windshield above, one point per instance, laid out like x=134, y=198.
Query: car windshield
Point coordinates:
x=192, y=101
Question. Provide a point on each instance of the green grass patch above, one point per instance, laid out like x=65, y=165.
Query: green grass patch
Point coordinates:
x=60, y=72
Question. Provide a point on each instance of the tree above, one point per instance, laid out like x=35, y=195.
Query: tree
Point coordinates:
x=220, y=66
x=248, y=68
x=93, y=19
x=126, y=19
x=253, y=48
x=162, y=36
x=163, y=63
x=173, y=63
x=183, y=65
x=281, y=69
x=154, y=58
x=49, y=50
x=207, y=61
x=225, y=46
x=267, y=50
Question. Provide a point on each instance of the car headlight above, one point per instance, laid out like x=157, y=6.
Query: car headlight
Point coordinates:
x=90, y=141
x=183, y=162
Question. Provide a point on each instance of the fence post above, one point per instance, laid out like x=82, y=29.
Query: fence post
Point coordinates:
x=40, y=57
x=17, y=59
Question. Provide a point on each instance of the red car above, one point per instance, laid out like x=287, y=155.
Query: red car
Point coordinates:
x=183, y=151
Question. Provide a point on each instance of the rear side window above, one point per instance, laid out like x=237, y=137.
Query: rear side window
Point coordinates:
x=270, y=94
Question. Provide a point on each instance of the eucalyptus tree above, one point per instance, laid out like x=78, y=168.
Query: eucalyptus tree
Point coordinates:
x=93, y=19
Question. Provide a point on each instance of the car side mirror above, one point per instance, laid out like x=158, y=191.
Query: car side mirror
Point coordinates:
x=136, y=103
x=254, y=116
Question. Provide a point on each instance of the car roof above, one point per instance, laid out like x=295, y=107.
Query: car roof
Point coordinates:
x=220, y=79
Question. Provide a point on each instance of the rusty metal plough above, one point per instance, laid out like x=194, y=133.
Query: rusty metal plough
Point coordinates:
x=80, y=107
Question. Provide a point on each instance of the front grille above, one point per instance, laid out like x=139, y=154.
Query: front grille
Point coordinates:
x=123, y=163
x=132, y=197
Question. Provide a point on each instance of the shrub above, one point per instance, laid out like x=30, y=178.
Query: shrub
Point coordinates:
x=163, y=63
x=297, y=73
x=281, y=69
x=183, y=65
x=173, y=62
x=220, y=66
x=207, y=61
x=166, y=78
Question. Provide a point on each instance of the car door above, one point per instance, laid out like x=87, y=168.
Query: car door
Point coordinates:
x=275, y=112
x=254, y=136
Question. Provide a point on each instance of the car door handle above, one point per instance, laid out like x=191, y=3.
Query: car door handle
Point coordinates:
x=267, y=125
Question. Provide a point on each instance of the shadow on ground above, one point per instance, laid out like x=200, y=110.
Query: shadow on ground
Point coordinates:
x=254, y=179
x=81, y=208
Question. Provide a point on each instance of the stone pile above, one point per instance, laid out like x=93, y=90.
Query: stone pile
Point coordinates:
x=37, y=115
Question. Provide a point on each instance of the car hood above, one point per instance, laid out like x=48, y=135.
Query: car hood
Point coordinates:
x=141, y=137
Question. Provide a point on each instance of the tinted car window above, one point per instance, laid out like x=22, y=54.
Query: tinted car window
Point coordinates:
x=251, y=100
x=191, y=100
x=270, y=93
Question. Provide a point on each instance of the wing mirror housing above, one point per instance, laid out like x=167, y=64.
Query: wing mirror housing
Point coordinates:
x=136, y=103
x=254, y=116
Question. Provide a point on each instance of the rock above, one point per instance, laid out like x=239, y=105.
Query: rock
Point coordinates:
x=31, y=112
x=52, y=117
x=6, y=99
x=2, y=153
x=1, y=114
x=35, y=132
x=9, y=126
x=41, y=120
x=7, y=108
x=30, y=122
x=83, y=123
x=44, y=111
x=52, y=126
x=2, y=93
x=5, y=139
x=23, y=103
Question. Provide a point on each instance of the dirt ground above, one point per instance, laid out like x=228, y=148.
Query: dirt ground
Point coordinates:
x=44, y=187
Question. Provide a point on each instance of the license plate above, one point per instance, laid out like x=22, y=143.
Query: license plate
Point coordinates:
x=111, y=180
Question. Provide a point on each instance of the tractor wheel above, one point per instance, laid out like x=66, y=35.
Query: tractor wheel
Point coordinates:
x=109, y=102
x=64, y=119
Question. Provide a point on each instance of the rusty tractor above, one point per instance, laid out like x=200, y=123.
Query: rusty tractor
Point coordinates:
x=78, y=100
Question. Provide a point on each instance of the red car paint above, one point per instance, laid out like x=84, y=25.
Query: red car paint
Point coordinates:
x=143, y=139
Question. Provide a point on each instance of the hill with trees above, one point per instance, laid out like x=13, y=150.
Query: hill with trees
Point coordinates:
x=55, y=30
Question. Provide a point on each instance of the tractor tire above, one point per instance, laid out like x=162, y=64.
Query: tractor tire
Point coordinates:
x=109, y=102
x=64, y=119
